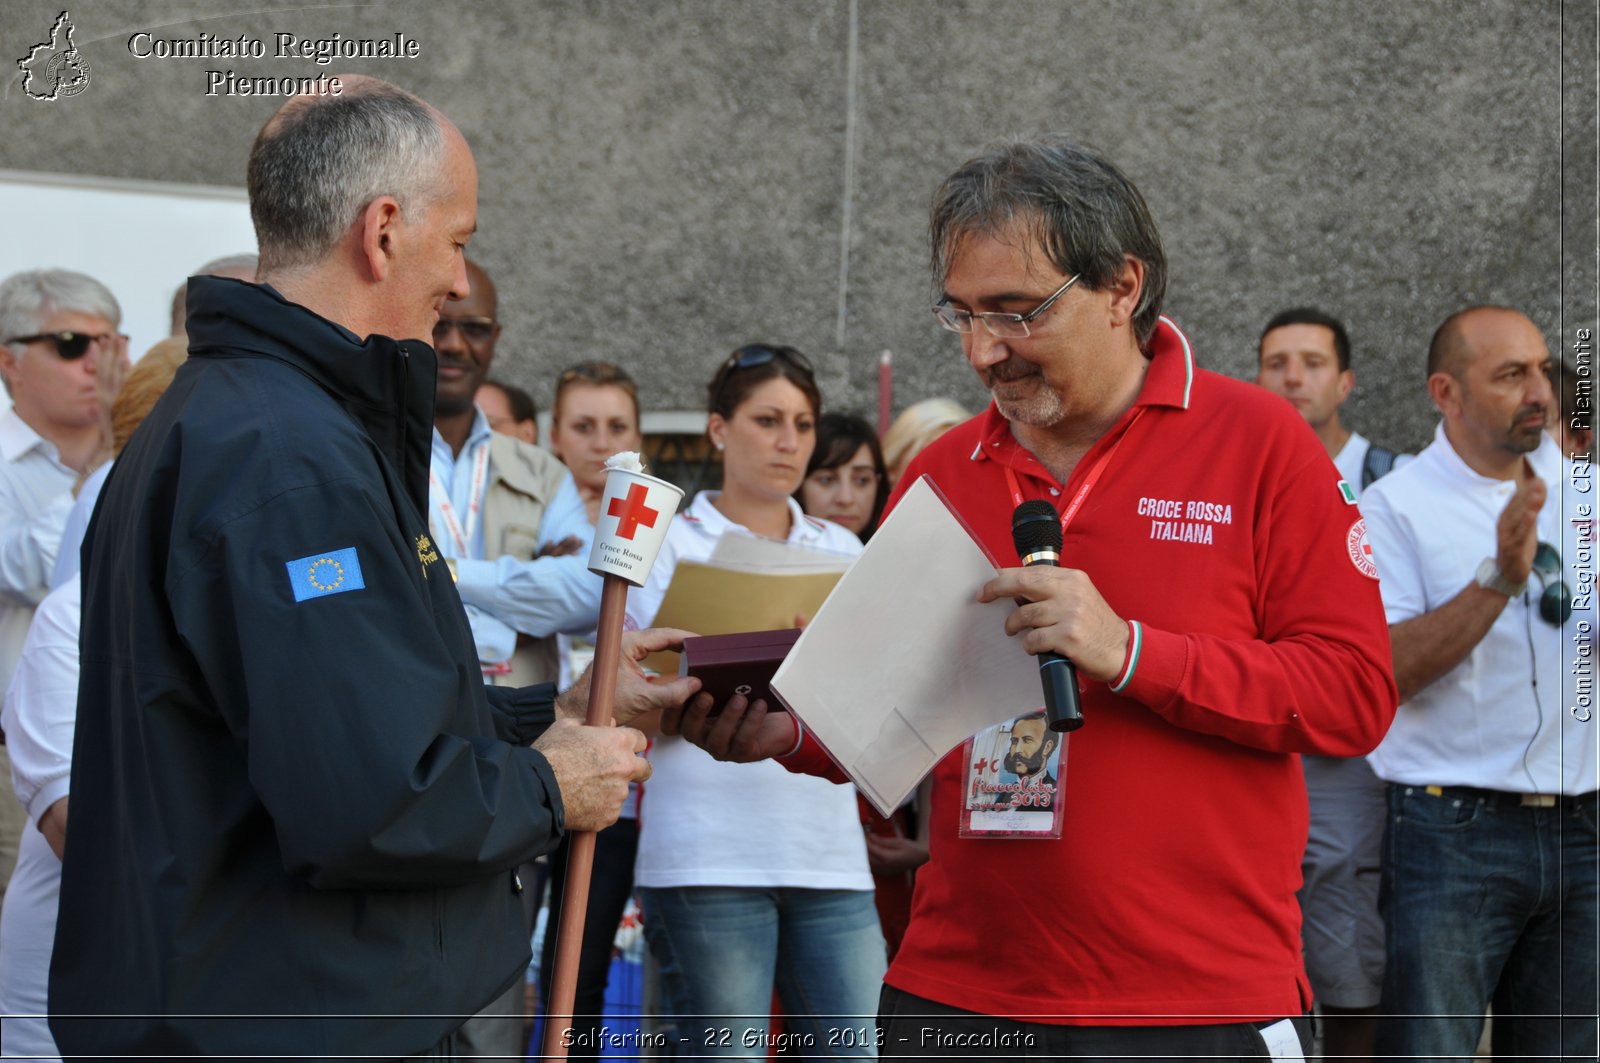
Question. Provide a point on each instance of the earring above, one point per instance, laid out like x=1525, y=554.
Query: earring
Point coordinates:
x=720, y=446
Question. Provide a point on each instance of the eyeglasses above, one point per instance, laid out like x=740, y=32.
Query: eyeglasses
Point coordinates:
x=754, y=354
x=1555, y=604
x=70, y=346
x=1005, y=326
x=474, y=330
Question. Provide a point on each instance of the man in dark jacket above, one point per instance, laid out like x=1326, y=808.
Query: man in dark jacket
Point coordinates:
x=296, y=809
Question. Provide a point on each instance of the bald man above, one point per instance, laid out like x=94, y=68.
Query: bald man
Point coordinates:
x=496, y=503
x=297, y=808
x=1486, y=558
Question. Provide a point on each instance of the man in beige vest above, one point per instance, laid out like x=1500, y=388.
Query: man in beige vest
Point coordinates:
x=496, y=504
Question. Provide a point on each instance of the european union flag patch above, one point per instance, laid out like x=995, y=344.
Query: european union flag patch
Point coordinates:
x=320, y=575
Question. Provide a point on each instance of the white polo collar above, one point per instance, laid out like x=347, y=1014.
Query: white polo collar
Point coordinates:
x=802, y=529
x=17, y=438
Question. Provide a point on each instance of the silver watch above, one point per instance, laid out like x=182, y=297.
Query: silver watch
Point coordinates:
x=1489, y=578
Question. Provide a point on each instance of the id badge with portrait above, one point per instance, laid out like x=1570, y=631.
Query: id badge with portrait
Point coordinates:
x=1012, y=781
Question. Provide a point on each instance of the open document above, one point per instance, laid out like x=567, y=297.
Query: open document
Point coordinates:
x=902, y=664
x=748, y=584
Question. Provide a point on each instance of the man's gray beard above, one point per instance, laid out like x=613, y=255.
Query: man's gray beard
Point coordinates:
x=1041, y=410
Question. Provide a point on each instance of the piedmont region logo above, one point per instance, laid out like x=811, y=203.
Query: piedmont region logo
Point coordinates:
x=55, y=69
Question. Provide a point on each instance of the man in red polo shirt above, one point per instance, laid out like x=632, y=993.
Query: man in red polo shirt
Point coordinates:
x=1221, y=606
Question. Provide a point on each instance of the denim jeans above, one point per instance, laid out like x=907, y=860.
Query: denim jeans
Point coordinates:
x=1484, y=898
x=722, y=949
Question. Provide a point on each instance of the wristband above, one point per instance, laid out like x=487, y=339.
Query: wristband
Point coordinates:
x=799, y=737
x=1130, y=659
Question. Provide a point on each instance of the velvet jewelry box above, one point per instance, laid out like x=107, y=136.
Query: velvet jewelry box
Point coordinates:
x=738, y=664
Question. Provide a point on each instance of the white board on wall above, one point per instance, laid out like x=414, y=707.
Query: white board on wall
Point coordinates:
x=138, y=238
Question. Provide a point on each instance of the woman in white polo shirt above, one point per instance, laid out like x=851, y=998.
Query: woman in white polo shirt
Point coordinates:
x=751, y=876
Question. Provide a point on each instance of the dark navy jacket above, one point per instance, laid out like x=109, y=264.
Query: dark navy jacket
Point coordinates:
x=291, y=795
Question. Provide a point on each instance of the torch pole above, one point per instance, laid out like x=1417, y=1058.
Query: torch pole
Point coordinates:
x=580, y=858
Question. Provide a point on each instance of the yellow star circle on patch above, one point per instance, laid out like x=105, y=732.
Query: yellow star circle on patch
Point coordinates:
x=338, y=574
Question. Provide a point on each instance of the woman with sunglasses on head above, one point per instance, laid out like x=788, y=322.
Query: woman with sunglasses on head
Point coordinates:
x=750, y=875
x=595, y=415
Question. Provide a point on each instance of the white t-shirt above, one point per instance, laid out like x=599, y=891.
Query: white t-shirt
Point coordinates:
x=706, y=823
x=1517, y=714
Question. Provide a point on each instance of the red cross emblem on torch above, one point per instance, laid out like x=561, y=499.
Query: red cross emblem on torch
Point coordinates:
x=632, y=512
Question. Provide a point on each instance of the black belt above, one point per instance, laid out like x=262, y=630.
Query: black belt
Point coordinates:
x=1505, y=799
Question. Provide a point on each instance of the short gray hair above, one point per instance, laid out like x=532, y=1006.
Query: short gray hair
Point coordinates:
x=316, y=165
x=1084, y=211
x=27, y=298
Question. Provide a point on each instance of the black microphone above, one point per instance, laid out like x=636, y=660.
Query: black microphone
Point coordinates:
x=1036, y=532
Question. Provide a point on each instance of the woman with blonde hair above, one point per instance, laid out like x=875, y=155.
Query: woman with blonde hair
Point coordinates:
x=918, y=425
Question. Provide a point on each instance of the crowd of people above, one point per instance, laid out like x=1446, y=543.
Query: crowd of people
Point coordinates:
x=316, y=689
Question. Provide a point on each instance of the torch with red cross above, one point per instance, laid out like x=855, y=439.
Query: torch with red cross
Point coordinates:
x=635, y=512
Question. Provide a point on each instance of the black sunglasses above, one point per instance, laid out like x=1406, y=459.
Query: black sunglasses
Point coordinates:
x=70, y=346
x=754, y=354
x=1555, y=604
x=474, y=330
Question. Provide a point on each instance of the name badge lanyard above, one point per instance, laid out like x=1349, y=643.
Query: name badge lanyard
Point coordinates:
x=990, y=809
x=1088, y=481
x=461, y=537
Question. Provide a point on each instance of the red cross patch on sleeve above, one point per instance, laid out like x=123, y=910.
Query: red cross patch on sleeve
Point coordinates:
x=1361, y=550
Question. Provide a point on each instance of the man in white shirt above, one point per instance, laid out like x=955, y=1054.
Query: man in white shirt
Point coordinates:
x=1304, y=355
x=495, y=505
x=62, y=358
x=1485, y=546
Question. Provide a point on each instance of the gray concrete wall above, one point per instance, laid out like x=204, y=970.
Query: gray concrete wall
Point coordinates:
x=663, y=181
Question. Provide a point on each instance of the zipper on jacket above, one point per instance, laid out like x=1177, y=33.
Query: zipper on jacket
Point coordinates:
x=405, y=409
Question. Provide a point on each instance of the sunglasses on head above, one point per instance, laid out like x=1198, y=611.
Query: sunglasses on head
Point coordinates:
x=1555, y=604
x=754, y=354
x=473, y=329
x=70, y=346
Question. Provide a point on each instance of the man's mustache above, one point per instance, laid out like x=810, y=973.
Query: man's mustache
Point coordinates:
x=1007, y=371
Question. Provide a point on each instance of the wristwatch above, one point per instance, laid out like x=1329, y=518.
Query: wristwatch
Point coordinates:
x=1489, y=578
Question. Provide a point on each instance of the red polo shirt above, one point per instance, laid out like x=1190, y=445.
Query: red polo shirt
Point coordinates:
x=1218, y=525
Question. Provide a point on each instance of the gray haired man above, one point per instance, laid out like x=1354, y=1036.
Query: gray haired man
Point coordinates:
x=1196, y=510
x=297, y=809
x=62, y=359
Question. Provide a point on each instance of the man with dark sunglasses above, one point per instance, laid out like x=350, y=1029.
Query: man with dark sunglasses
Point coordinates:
x=1489, y=873
x=62, y=359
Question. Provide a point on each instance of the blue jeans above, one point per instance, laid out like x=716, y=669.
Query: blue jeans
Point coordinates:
x=722, y=949
x=1484, y=899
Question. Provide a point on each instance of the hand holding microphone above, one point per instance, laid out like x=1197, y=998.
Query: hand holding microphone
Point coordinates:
x=1036, y=533
x=1063, y=614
